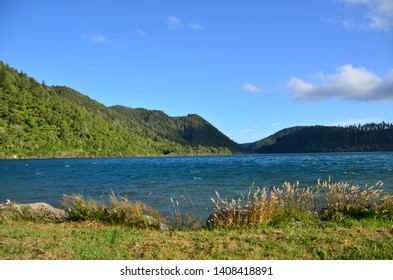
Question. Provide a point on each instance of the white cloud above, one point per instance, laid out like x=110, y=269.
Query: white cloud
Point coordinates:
x=348, y=83
x=251, y=88
x=299, y=85
x=378, y=15
x=172, y=22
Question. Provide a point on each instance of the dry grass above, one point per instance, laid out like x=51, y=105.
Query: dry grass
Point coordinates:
x=327, y=201
x=120, y=211
x=342, y=200
x=255, y=208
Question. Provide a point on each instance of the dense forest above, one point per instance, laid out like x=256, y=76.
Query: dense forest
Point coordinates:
x=37, y=120
x=190, y=130
x=354, y=138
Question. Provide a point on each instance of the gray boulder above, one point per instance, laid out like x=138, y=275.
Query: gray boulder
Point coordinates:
x=32, y=210
x=43, y=210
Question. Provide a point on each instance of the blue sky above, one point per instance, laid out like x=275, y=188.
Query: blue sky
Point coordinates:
x=249, y=67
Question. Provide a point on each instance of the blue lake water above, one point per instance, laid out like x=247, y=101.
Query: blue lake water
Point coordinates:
x=190, y=180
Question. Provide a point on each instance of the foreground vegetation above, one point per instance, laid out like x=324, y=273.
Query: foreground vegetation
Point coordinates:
x=327, y=221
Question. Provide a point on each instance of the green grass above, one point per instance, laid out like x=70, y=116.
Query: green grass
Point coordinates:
x=315, y=240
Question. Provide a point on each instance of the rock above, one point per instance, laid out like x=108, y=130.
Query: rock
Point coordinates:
x=32, y=210
x=153, y=222
x=43, y=210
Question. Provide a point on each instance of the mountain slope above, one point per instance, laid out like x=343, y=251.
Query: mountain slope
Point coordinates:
x=271, y=140
x=191, y=130
x=41, y=121
x=368, y=137
x=157, y=121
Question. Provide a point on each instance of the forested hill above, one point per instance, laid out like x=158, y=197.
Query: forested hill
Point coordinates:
x=368, y=137
x=37, y=120
x=271, y=140
x=190, y=130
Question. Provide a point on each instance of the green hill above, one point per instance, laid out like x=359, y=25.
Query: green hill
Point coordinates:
x=50, y=121
x=190, y=130
x=271, y=140
x=302, y=139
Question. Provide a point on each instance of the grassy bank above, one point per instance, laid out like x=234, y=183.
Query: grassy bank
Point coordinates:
x=352, y=239
x=326, y=221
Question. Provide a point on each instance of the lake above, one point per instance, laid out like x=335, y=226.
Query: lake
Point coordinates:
x=190, y=180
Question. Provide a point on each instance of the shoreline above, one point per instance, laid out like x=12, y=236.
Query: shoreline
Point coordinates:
x=187, y=155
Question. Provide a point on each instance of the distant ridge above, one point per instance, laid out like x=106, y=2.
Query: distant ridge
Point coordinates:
x=306, y=139
x=271, y=140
